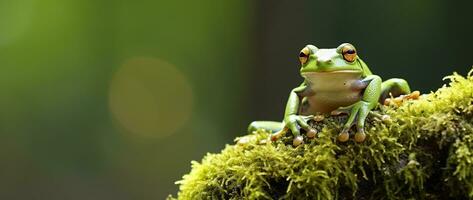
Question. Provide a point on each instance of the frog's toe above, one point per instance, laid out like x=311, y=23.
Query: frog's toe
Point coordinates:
x=298, y=141
x=318, y=118
x=279, y=134
x=397, y=101
x=342, y=110
x=244, y=140
x=414, y=95
x=311, y=133
x=343, y=136
x=360, y=136
x=339, y=112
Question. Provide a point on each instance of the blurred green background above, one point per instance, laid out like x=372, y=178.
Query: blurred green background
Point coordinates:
x=113, y=99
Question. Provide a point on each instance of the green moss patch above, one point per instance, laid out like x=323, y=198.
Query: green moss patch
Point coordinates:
x=425, y=151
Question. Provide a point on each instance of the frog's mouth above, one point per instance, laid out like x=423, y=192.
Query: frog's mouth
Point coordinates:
x=331, y=78
x=330, y=73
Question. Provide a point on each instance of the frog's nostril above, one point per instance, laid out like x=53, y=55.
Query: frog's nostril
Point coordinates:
x=324, y=60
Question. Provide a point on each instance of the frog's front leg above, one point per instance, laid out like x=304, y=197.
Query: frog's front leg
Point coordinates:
x=292, y=120
x=359, y=110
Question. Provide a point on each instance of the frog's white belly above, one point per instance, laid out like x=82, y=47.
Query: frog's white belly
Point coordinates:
x=331, y=90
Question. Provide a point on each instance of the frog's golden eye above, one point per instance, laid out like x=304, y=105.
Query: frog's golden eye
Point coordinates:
x=349, y=53
x=304, y=55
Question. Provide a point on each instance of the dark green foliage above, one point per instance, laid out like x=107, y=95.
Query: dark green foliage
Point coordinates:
x=424, y=151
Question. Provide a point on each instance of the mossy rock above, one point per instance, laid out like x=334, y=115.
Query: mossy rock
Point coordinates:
x=425, y=151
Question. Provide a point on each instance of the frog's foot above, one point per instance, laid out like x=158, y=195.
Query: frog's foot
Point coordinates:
x=397, y=101
x=279, y=134
x=242, y=141
x=309, y=131
x=245, y=139
x=295, y=123
x=298, y=139
x=358, y=111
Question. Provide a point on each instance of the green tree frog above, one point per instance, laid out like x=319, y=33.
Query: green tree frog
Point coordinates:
x=336, y=81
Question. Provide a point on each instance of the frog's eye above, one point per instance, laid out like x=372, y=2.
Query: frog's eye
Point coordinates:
x=304, y=55
x=349, y=53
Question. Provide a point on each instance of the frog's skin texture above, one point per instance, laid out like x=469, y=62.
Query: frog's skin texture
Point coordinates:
x=336, y=81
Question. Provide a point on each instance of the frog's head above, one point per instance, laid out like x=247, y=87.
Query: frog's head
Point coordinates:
x=343, y=58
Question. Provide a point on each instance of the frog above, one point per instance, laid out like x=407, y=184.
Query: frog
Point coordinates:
x=335, y=81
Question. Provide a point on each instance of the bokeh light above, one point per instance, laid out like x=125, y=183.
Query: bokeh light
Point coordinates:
x=15, y=17
x=150, y=97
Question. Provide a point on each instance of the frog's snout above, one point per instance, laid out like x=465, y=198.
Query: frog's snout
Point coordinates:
x=324, y=61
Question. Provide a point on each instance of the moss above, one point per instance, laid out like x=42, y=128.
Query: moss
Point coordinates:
x=425, y=151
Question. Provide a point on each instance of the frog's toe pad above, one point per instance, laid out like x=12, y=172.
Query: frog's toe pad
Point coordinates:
x=343, y=137
x=360, y=137
x=298, y=141
x=311, y=133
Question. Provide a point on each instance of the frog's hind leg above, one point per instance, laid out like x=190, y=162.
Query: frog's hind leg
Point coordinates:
x=394, y=87
x=277, y=128
x=266, y=125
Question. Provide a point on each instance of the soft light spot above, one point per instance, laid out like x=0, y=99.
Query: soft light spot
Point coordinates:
x=150, y=97
x=15, y=19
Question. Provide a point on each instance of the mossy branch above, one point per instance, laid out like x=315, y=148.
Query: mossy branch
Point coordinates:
x=425, y=151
